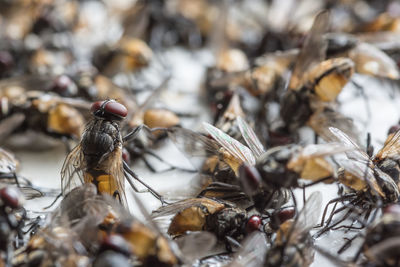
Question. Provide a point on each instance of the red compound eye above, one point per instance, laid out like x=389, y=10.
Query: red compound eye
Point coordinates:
x=111, y=107
x=96, y=106
x=286, y=214
x=116, y=109
x=253, y=224
x=11, y=197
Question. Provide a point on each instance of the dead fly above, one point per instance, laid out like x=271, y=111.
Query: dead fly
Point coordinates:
x=260, y=80
x=167, y=24
x=11, y=201
x=227, y=120
x=227, y=221
x=293, y=245
x=372, y=181
x=367, y=58
x=98, y=157
x=313, y=81
x=129, y=55
x=260, y=171
x=42, y=113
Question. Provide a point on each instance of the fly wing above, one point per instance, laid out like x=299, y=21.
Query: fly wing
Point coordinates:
x=313, y=51
x=193, y=145
x=362, y=171
x=117, y=177
x=234, y=147
x=250, y=137
x=308, y=217
x=322, y=150
x=252, y=252
x=72, y=170
x=196, y=245
x=356, y=154
x=391, y=149
x=327, y=117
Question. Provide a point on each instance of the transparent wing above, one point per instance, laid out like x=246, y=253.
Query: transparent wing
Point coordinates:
x=327, y=117
x=308, y=216
x=196, y=245
x=391, y=149
x=72, y=170
x=196, y=147
x=234, y=147
x=253, y=251
x=321, y=150
x=356, y=153
x=250, y=137
x=117, y=174
x=192, y=143
x=362, y=171
x=313, y=50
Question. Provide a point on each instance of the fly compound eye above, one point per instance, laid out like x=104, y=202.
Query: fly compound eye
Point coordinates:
x=116, y=108
x=253, y=224
x=96, y=106
x=109, y=108
x=11, y=197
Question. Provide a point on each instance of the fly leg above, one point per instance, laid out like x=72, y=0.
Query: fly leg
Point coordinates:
x=334, y=201
x=132, y=135
x=129, y=173
x=231, y=244
x=54, y=202
x=171, y=166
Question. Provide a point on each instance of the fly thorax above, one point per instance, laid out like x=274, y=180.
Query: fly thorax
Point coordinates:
x=227, y=222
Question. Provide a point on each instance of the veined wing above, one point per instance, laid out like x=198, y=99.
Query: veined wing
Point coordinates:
x=234, y=147
x=356, y=153
x=313, y=50
x=363, y=172
x=72, y=170
x=250, y=137
x=308, y=217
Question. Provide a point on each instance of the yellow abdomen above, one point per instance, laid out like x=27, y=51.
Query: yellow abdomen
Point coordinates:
x=105, y=183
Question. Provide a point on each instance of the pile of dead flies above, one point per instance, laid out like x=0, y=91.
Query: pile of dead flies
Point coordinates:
x=73, y=71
